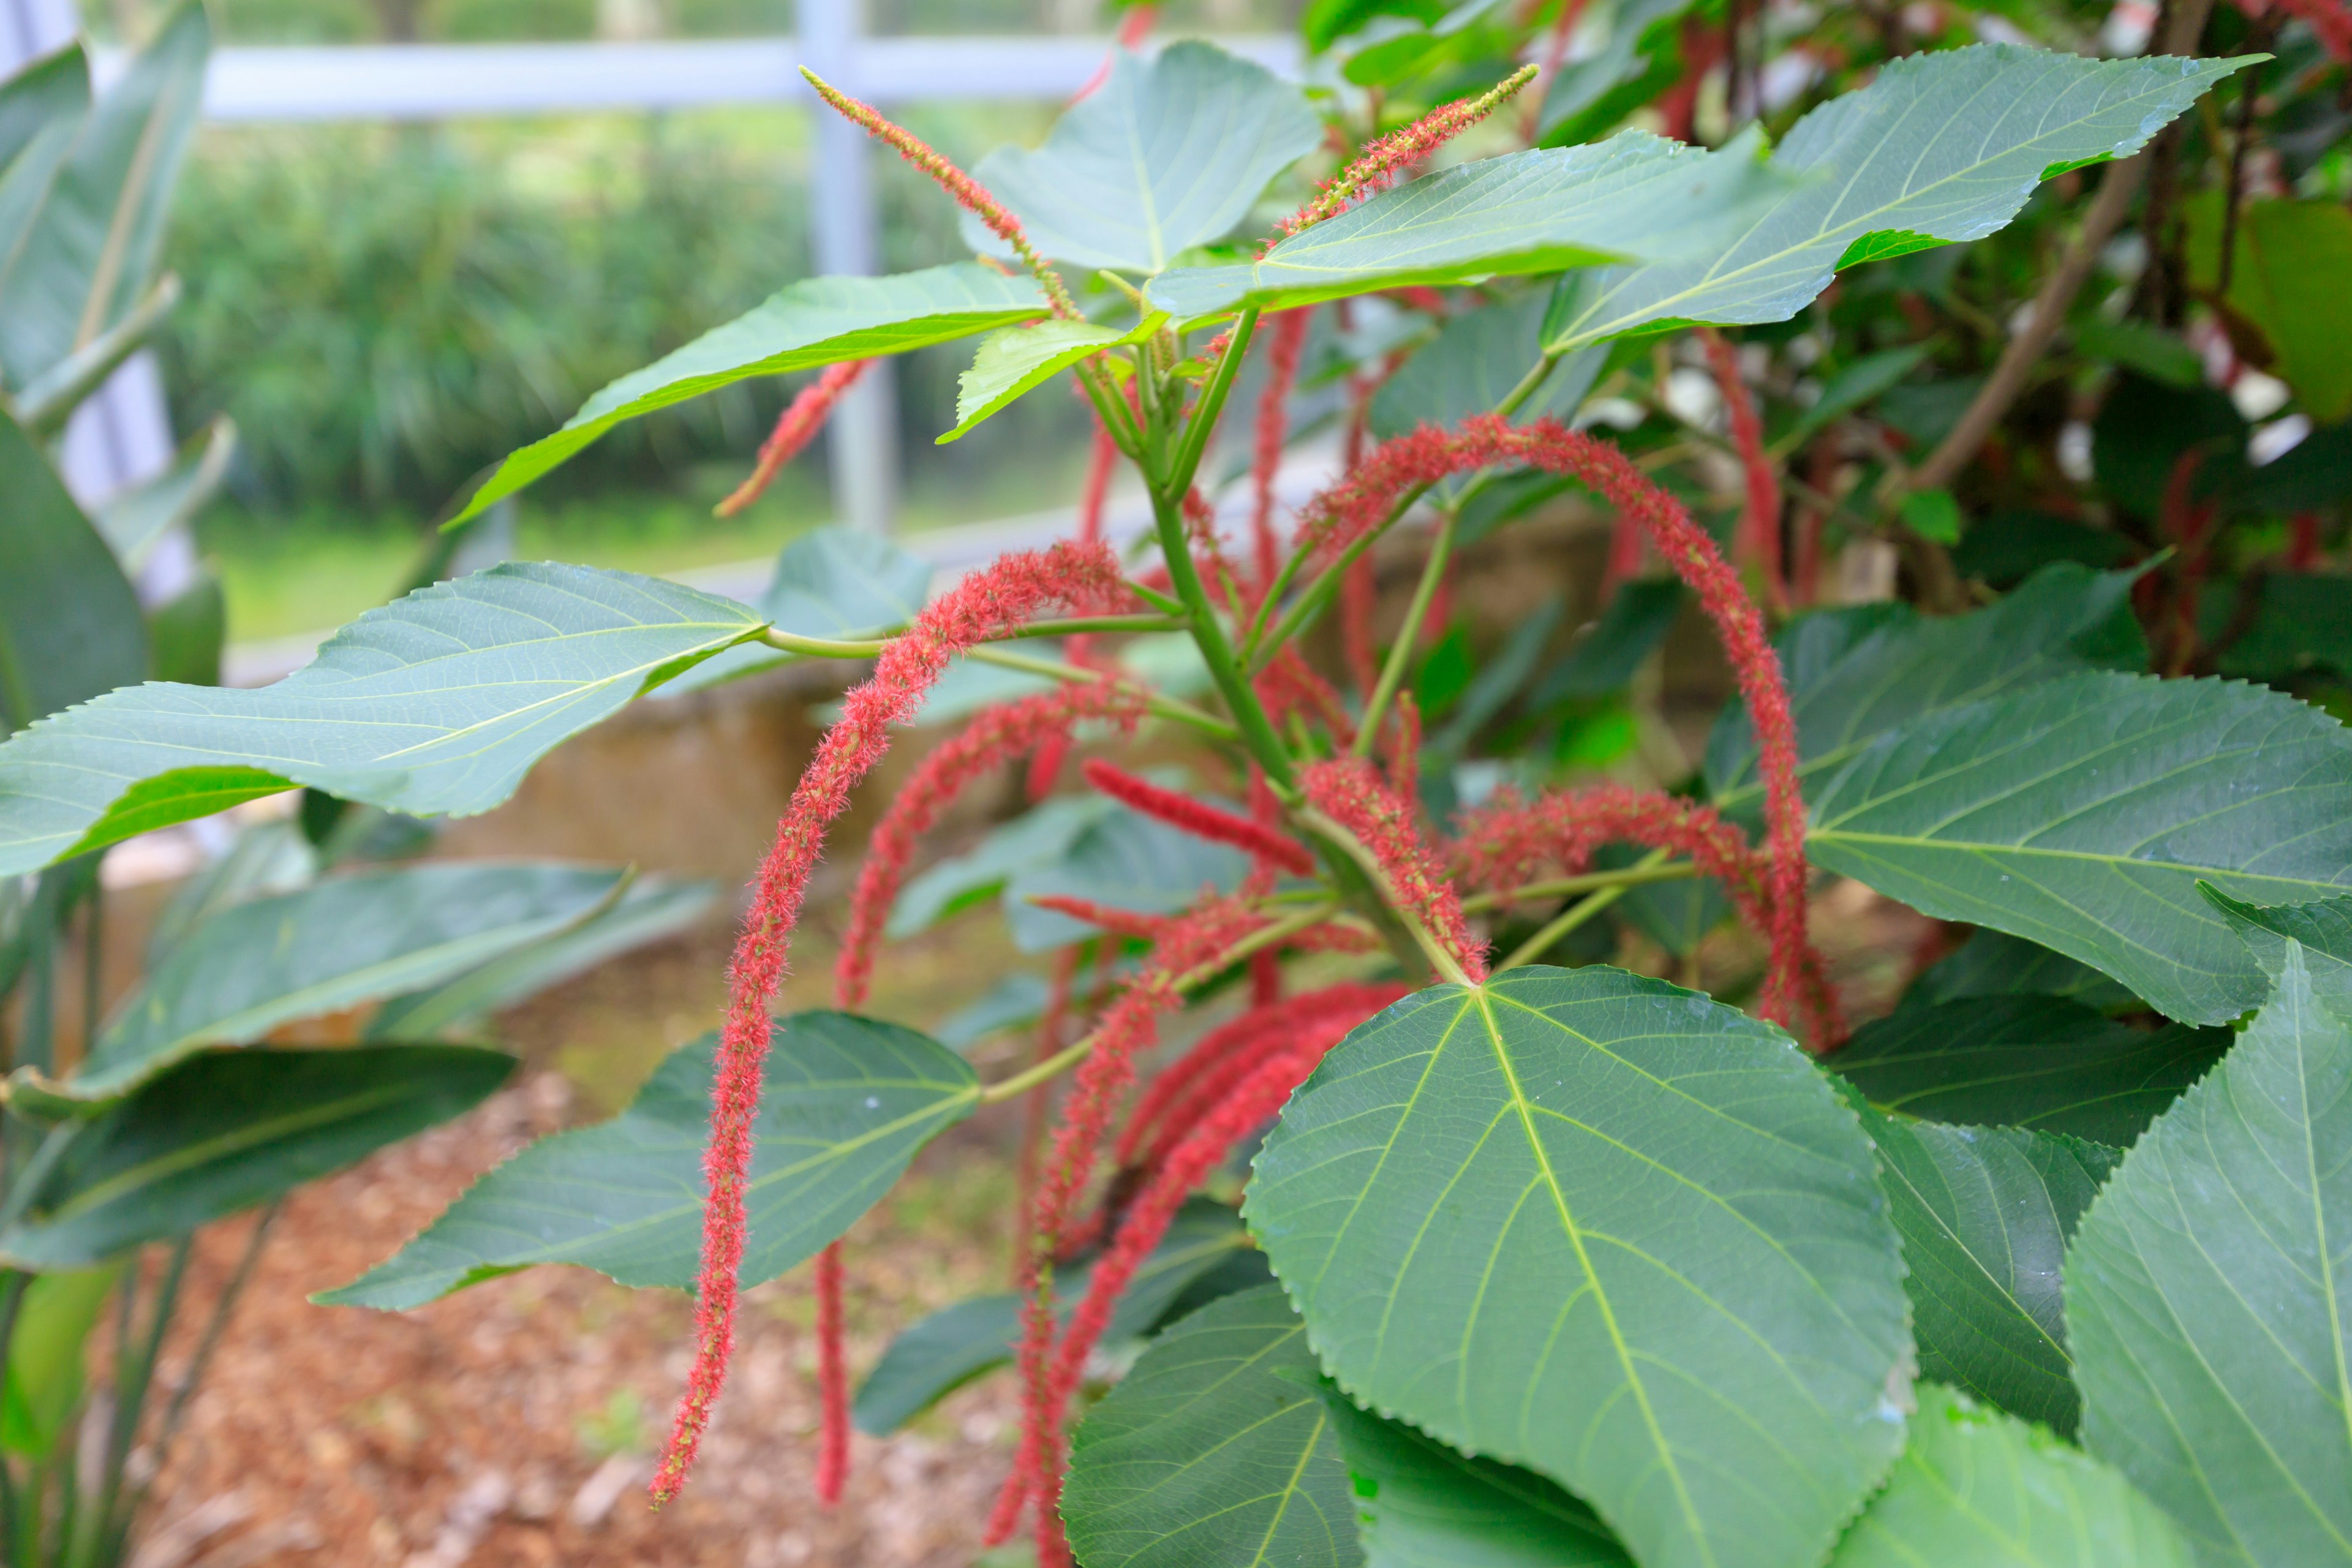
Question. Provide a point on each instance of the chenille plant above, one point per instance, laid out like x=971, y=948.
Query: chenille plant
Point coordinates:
x=1535, y=1260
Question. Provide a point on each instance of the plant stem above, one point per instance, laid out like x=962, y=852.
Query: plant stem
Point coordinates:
x=1575, y=915
x=869, y=648
x=1216, y=652
x=1160, y=704
x=12, y=1299
x=1195, y=440
x=1369, y=863
x=1425, y=593
x=1562, y=886
x=1062, y=1061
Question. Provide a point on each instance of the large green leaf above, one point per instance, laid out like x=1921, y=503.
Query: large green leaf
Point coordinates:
x=1939, y=147
x=2206, y=1295
x=2042, y=1062
x=1632, y=196
x=436, y=703
x=69, y=624
x=647, y=911
x=327, y=947
x=1170, y=153
x=1979, y=1489
x=1420, y=1504
x=46, y=1356
x=848, y=1103
x=1985, y=1214
x=2323, y=928
x=1855, y=674
x=1995, y=963
x=2282, y=286
x=816, y=322
x=88, y=250
x=1018, y=359
x=39, y=101
x=1215, y=1449
x=1611, y=1230
x=228, y=1131
x=940, y=1354
x=2080, y=814
x=2303, y=619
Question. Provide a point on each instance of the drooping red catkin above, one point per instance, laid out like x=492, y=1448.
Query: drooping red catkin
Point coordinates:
x=1358, y=598
x=1117, y=922
x=1288, y=685
x=1365, y=499
x=802, y=418
x=1380, y=163
x=1505, y=842
x=832, y=1379
x=1285, y=334
x=1760, y=523
x=1197, y=818
x=1133, y=28
x=1405, y=751
x=995, y=737
x=1045, y=766
x=986, y=602
x=967, y=192
x=1350, y=792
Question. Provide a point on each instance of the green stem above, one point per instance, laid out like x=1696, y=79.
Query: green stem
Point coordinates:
x=12, y=1299
x=1562, y=886
x=1165, y=706
x=1195, y=440
x=869, y=648
x=1358, y=852
x=1256, y=730
x=1575, y=915
x=1425, y=593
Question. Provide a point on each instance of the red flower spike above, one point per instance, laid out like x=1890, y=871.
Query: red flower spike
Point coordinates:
x=996, y=597
x=1358, y=597
x=1361, y=501
x=2331, y=21
x=1198, y=818
x=967, y=192
x=1118, y=922
x=995, y=737
x=1405, y=751
x=1288, y=685
x=833, y=1379
x=1351, y=793
x=1382, y=162
x=1286, y=340
x=795, y=428
x=1759, y=524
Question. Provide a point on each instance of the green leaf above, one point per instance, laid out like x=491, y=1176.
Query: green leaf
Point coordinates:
x=333, y=945
x=1611, y=1230
x=2041, y=1062
x=1995, y=963
x=187, y=635
x=1215, y=1449
x=838, y=583
x=1039, y=836
x=1634, y=195
x=1677, y=916
x=2302, y=620
x=848, y=1103
x=265, y=857
x=135, y=519
x=2154, y=353
x=227, y=1131
x=2206, y=1292
x=1586, y=95
x=1855, y=674
x=1979, y=1489
x=2290, y=257
x=1476, y=360
x=436, y=703
x=1018, y=359
x=949, y=1349
x=1985, y=1214
x=1420, y=1504
x=1849, y=389
x=69, y=624
x=1933, y=515
x=1606, y=657
x=45, y=1350
x=816, y=322
x=1127, y=860
x=37, y=105
x=1170, y=152
x=2080, y=814
x=648, y=910
x=1939, y=147
x=2323, y=928
x=86, y=252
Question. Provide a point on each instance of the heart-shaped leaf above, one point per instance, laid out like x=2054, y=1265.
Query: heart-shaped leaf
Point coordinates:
x=848, y=1103
x=1610, y=1230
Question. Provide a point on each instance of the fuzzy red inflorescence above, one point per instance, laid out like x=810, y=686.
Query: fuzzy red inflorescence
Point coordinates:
x=1132, y=923
x=795, y=428
x=1380, y=163
x=1350, y=792
x=1288, y=685
x=1364, y=499
x=1760, y=523
x=989, y=601
x=995, y=737
x=1198, y=818
x=1286, y=338
x=832, y=1379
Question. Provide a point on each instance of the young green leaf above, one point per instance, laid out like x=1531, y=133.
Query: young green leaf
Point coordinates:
x=329, y=946
x=227, y=1131
x=933, y=1358
x=69, y=624
x=816, y=322
x=1610, y=1230
x=1855, y=674
x=436, y=703
x=1939, y=147
x=1214, y=1448
x=1632, y=196
x=849, y=1101
x=1018, y=359
x=2205, y=1294
x=1985, y=1214
x=2041, y=1062
x=1978, y=1490
x=2081, y=813
x=1420, y=1504
x=1172, y=151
